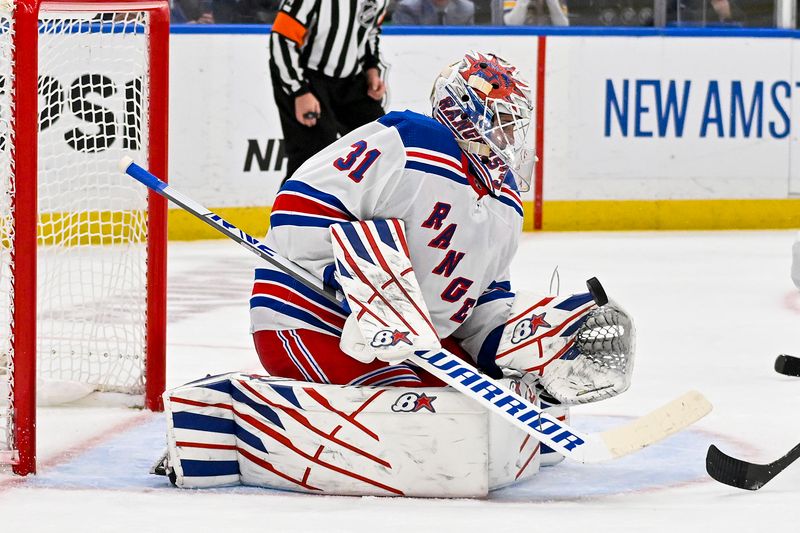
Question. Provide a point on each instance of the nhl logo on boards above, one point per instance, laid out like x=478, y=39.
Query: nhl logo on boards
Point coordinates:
x=385, y=338
x=368, y=13
x=411, y=402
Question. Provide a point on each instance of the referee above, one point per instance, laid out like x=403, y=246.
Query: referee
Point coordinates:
x=324, y=62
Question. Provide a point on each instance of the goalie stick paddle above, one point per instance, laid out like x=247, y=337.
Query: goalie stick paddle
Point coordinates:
x=575, y=445
x=788, y=365
x=742, y=474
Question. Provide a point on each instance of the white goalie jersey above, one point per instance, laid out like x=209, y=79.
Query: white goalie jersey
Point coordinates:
x=404, y=166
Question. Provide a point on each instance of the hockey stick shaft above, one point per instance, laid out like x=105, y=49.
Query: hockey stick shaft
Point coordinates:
x=460, y=375
x=223, y=226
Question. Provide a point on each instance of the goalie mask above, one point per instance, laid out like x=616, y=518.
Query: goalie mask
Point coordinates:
x=486, y=105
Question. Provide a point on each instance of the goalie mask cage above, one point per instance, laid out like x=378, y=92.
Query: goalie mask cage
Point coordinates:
x=82, y=83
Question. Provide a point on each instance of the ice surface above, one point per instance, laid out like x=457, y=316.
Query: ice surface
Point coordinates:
x=712, y=310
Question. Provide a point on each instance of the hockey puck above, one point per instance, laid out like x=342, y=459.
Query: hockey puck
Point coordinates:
x=597, y=291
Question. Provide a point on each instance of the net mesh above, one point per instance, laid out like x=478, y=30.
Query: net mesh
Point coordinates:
x=92, y=230
x=92, y=225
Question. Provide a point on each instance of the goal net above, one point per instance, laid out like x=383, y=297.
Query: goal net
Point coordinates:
x=98, y=268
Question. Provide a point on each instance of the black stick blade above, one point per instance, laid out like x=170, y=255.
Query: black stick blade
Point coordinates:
x=744, y=475
x=788, y=365
x=730, y=471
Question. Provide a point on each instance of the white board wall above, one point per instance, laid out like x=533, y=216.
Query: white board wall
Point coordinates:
x=625, y=117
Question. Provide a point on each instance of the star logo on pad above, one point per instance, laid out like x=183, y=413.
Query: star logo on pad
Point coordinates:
x=398, y=336
x=424, y=402
x=538, y=321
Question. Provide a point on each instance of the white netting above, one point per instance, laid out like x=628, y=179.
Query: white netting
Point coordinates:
x=91, y=278
x=92, y=228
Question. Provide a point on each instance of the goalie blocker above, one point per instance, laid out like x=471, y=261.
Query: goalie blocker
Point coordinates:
x=332, y=439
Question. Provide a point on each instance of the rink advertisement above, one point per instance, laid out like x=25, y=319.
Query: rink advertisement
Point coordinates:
x=641, y=131
x=686, y=118
x=794, y=171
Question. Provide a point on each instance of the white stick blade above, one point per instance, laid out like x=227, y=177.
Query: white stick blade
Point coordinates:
x=657, y=425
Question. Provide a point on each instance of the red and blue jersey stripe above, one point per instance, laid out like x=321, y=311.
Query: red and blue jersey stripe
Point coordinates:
x=300, y=204
x=286, y=296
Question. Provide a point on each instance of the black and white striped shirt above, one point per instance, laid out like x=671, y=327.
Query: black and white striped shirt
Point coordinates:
x=338, y=38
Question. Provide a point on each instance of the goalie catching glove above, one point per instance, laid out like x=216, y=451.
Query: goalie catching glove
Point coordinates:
x=389, y=319
x=582, y=352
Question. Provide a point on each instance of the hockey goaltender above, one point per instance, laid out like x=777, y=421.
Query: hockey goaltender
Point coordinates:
x=415, y=220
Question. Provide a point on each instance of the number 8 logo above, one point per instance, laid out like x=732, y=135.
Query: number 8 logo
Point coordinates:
x=521, y=331
x=405, y=403
x=382, y=338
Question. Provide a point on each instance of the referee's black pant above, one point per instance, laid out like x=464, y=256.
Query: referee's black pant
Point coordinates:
x=344, y=106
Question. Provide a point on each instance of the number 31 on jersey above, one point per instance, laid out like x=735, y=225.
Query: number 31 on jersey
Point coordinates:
x=357, y=154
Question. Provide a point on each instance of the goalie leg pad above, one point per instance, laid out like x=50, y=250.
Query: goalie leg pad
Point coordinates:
x=329, y=439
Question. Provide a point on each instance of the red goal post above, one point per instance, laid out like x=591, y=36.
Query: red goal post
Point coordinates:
x=23, y=21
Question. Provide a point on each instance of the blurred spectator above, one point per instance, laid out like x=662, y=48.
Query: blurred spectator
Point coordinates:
x=484, y=12
x=434, y=13
x=611, y=12
x=191, y=11
x=515, y=13
x=223, y=11
x=244, y=11
x=756, y=13
x=698, y=12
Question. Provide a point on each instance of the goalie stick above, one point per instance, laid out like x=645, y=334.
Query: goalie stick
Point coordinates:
x=573, y=444
x=788, y=365
x=742, y=474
